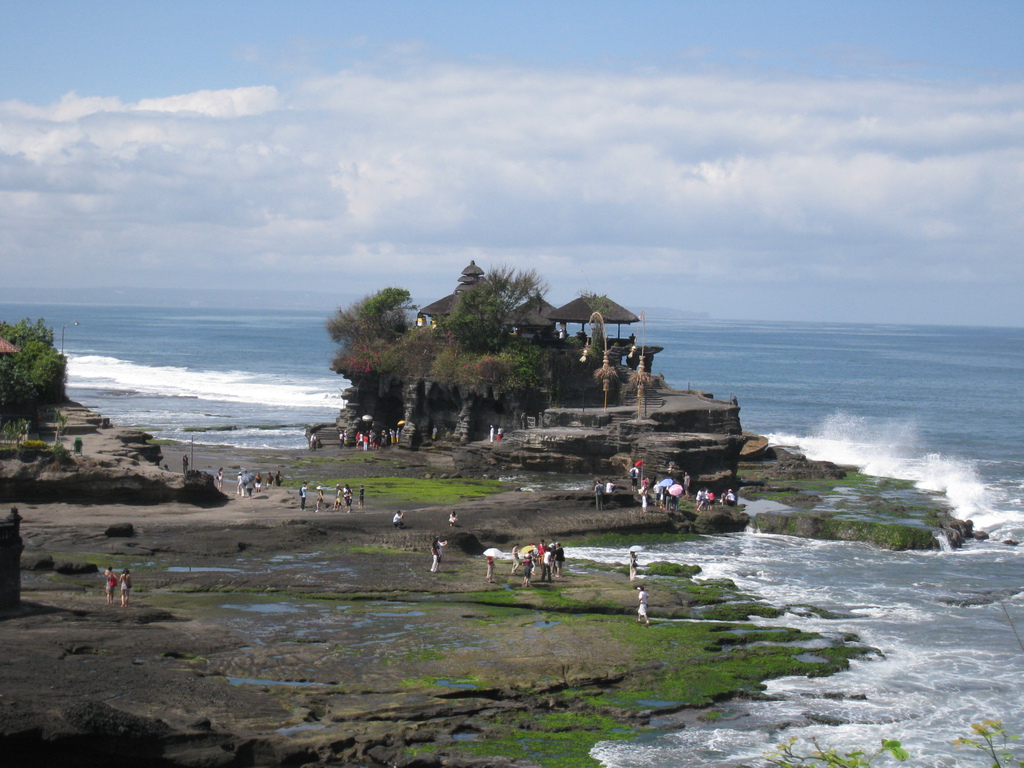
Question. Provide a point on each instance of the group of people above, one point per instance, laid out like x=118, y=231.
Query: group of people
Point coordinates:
x=706, y=499
x=548, y=559
x=343, y=495
x=112, y=580
x=495, y=435
x=249, y=483
x=665, y=492
x=371, y=440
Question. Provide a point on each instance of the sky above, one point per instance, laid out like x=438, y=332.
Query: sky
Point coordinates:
x=807, y=161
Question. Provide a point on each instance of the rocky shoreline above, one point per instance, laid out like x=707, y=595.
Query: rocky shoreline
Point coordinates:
x=261, y=634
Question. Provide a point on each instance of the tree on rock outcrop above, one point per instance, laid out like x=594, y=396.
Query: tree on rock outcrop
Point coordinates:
x=479, y=320
x=364, y=329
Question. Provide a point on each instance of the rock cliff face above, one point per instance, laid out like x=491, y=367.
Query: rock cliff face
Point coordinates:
x=118, y=465
x=460, y=414
x=688, y=429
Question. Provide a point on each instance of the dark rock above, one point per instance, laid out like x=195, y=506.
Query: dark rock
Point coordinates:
x=101, y=719
x=722, y=520
x=37, y=563
x=418, y=761
x=74, y=569
x=120, y=531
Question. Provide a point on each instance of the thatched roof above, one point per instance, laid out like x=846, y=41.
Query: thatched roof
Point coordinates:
x=579, y=311
x=470, y=278
x=530, y=314
x=440, y=307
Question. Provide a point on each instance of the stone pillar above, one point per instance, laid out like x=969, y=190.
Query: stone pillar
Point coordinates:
x=10, y=560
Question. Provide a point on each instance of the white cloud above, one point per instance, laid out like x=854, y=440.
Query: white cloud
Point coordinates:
x=364, y=179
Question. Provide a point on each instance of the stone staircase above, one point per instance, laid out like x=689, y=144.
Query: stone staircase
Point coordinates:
x=81, y=421
x=328, y=434
x=653, y=398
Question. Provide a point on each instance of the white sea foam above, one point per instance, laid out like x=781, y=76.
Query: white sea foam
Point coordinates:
x=892, y=448
x=98, y=372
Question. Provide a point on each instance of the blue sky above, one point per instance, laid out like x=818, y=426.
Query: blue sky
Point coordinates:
x=780, y=160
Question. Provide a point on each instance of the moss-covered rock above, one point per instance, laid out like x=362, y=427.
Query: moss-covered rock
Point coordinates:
x=892, y=536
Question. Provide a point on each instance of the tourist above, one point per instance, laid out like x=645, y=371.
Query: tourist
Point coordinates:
x=240, y=490
x=219, y=479
x=110, y=581
x=184, y=464
x=126, y=587
x=644, y=495
x=337, y=497
x=641, y=609
x=501, y=434
x=491, y=434
x=399, y=519
x=559, y=559
x=686, y=484
x=490, y=569
x=258, y=482
x=729, y=499
x=632, y=565
x=362, y=494
x=634, y=477
x=609, y=488
x=517, y=563
x=598, y=494
x=453, y=519
x=436, y=550
x=527, y=568
x=545, y=565
x=346, y=493
x=277, y=478
x=302, y=495
x=319, y=498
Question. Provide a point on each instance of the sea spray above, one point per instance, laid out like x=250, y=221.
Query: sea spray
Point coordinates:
x=891, y=448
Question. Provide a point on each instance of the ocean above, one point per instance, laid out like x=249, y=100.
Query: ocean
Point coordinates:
x=939, y=406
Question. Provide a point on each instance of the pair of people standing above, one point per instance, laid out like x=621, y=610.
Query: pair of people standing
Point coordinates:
x=111, y=581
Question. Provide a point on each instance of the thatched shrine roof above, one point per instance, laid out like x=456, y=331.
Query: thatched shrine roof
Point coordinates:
x=579, y=311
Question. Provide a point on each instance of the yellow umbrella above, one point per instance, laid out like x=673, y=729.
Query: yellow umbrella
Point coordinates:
x=527, y=549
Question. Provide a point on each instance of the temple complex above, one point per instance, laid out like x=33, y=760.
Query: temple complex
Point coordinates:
x=599, y=408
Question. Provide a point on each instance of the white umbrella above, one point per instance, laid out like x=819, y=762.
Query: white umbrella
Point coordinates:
x=636, y=548
x=492, y=552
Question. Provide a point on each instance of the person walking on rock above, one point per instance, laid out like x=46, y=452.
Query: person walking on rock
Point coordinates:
x=598, y=494
x=490, y=569
x=641, y=609
x=302, y=495
x=632, y=566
